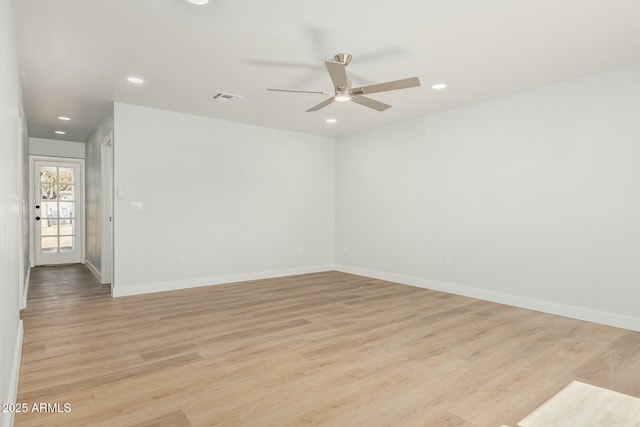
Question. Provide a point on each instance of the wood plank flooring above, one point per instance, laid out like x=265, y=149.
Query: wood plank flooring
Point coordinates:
x=319, y=349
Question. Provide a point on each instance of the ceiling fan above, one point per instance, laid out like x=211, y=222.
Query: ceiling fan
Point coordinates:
x=343, y=90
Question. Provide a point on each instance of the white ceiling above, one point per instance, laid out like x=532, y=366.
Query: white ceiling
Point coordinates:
x=75, y=55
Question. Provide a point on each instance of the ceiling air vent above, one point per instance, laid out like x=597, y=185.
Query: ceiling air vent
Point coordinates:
x=225, y=97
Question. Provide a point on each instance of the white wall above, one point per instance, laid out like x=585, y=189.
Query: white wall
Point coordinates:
x=223, y=201
x=11, y=201
x=56, y=148
x=532, y=200
x=94, y=195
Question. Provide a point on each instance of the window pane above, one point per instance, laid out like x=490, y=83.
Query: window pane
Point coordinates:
x=66, y=191
x=49, y=227
x=48, y=174
x=66, y=175
x=66, y=243
x=49, y=192
x=49, y=245
x=66, y=209
x=49, y=210
x=67, y=227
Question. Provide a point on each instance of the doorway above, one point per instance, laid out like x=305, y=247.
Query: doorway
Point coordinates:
x=58, y=211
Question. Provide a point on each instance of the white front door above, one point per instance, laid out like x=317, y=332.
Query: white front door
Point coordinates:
x=58, y=212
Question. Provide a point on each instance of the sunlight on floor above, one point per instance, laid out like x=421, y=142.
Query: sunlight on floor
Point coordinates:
x=586, y=405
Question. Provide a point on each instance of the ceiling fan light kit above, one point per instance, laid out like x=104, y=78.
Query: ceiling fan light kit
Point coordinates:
x=343, y=91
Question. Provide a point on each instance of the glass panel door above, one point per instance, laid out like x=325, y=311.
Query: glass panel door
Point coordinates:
x=58, y=218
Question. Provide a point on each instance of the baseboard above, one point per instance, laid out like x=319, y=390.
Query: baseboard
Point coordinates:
x=93, y=270
x=565, y=310
x=25, y=293
x=12, y=395
x=146, y=288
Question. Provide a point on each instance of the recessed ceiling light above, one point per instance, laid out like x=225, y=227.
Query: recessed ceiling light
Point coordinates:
x=64, y=118
x=438, y=86
x=136, y=80
x=343, y=97
x=61, y=132
x=331, y=120
x=199, y=2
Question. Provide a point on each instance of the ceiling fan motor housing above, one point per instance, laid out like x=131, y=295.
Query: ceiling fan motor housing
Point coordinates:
x=344, y=58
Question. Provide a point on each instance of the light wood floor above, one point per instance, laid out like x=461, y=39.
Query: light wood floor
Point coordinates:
x=319, y=349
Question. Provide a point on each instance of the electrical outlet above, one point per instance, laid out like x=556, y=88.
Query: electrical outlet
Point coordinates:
x=179, y=259
x=448, y=262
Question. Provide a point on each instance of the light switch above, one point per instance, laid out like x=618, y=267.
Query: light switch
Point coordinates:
x=136, y=206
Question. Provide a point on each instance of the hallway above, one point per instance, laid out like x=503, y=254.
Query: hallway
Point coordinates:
x=52, y=288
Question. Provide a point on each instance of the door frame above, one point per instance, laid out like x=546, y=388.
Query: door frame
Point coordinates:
x=80, y=235
x=106, y=186
x=24, y=209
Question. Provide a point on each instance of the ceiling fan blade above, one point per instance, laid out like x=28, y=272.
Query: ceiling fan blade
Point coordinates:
x=392, y=50
x=371, y=103
x=387, y=86
x=360, y=78
x=317, y=41
x=283, y=64
x=338, y=73
x=298, y=91
x=322, y=104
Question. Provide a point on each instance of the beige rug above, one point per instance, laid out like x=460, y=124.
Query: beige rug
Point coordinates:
x=584, y=405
